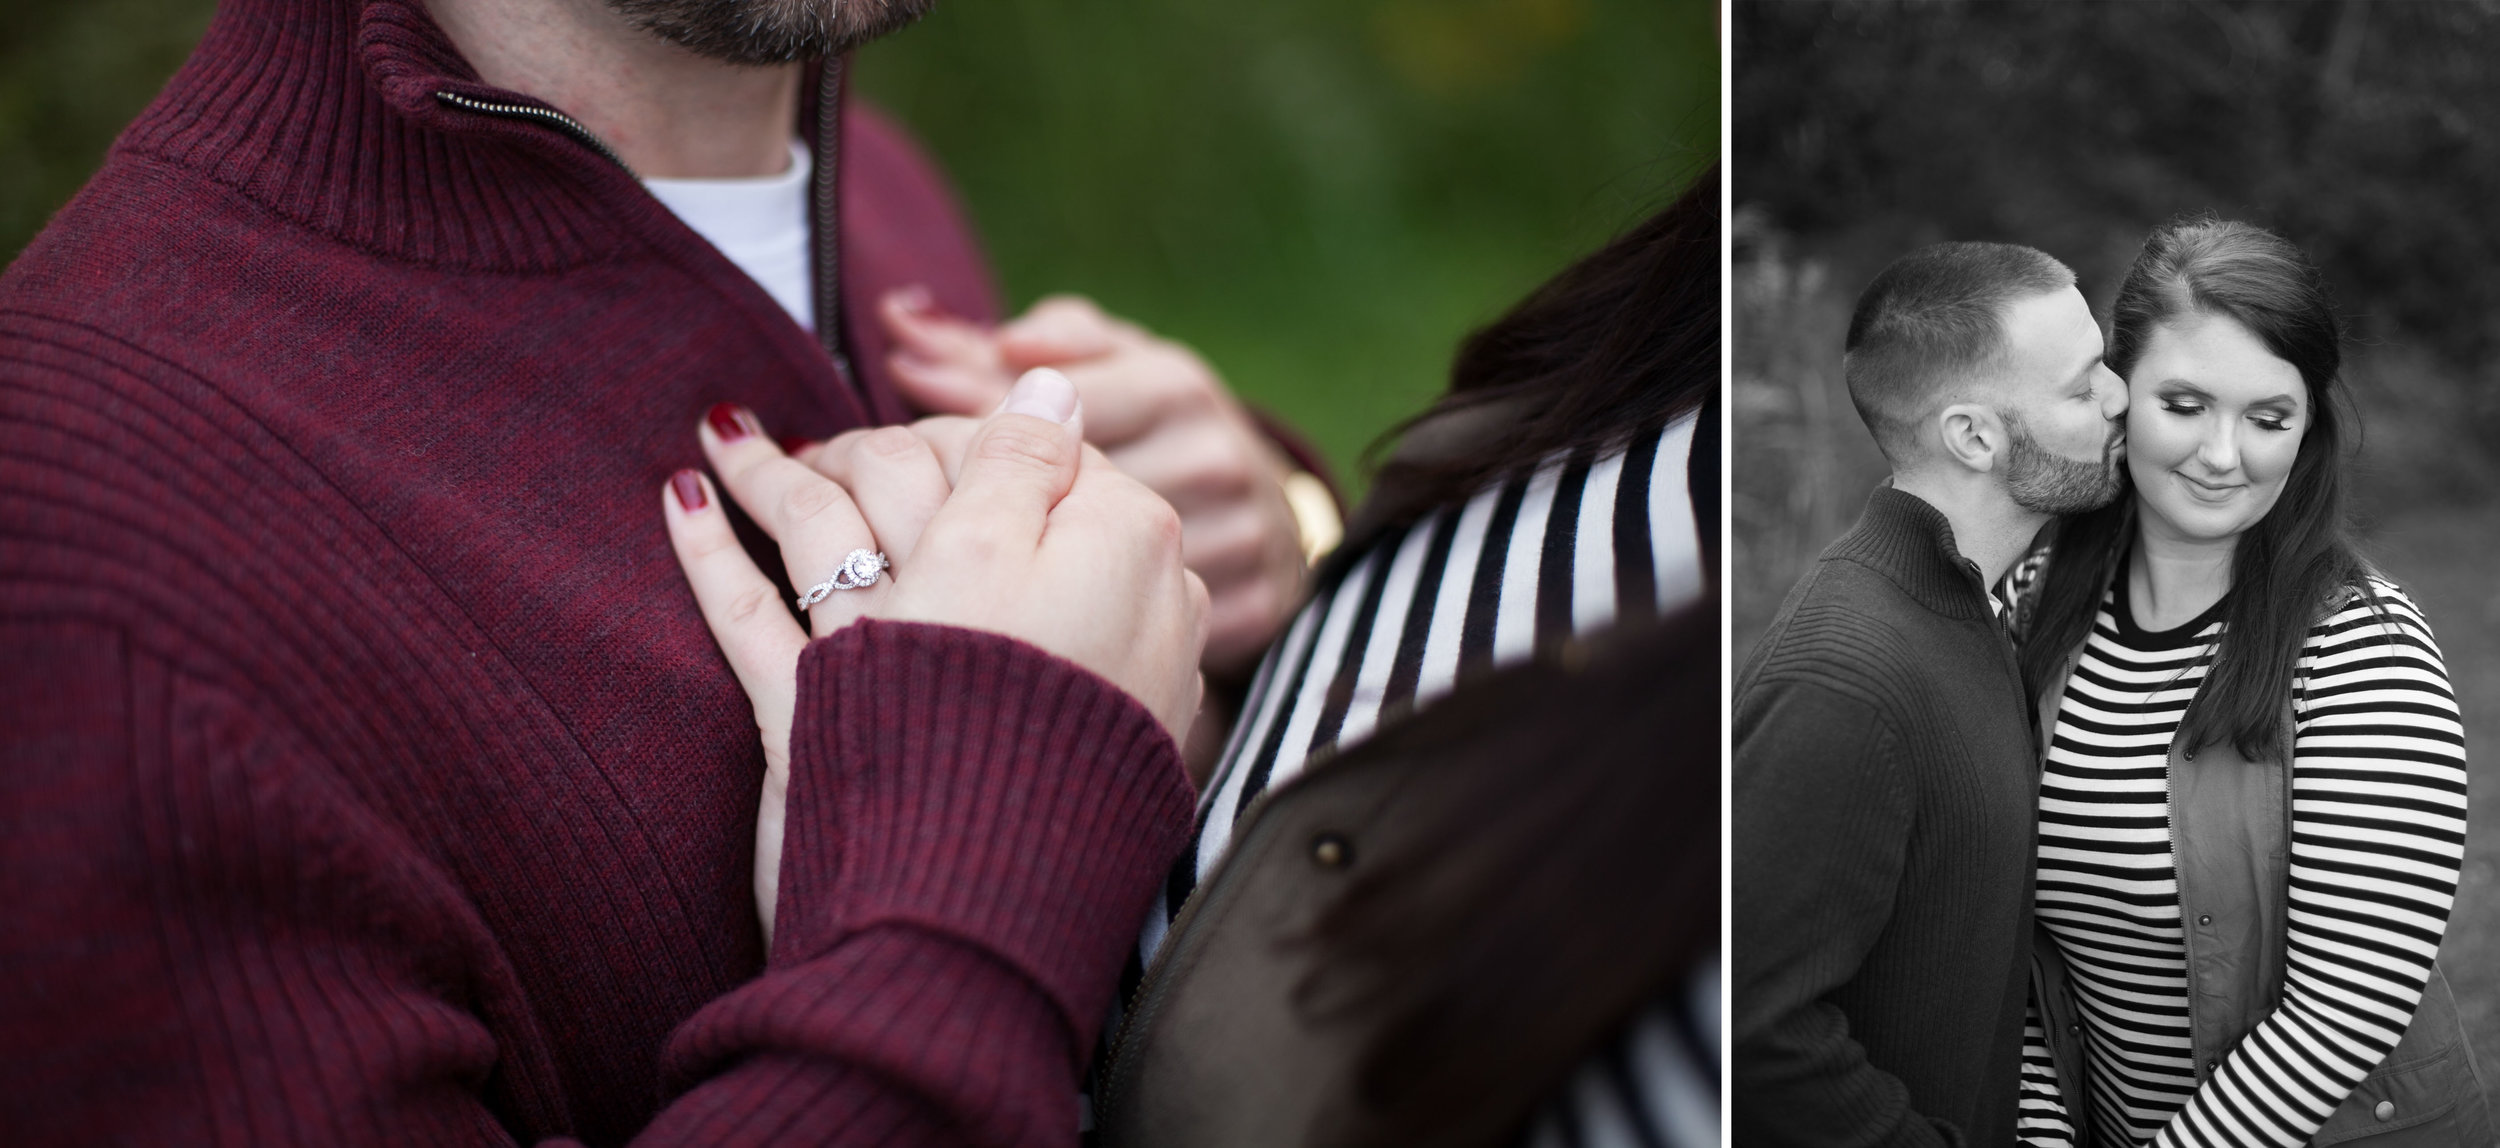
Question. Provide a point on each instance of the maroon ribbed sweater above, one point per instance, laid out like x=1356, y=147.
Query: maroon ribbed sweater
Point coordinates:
x=366, y=772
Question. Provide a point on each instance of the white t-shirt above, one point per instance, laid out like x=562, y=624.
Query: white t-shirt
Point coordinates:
x=759, y=223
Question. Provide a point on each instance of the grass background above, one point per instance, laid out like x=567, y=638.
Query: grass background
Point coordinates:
x=1323, y=196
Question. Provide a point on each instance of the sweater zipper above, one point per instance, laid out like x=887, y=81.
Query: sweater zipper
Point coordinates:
x=826, y=202
x=2005, y=631
x=825, y=221
x=548, y=116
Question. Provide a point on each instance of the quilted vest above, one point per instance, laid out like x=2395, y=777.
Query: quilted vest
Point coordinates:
x=2231, y=821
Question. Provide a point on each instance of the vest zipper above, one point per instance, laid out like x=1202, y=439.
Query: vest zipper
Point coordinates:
x=1107, y=1090
x=548, y=116
x=2187, y=924
x=1105, y=1087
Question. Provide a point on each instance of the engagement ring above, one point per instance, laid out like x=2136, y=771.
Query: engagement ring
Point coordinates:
x=859, y=570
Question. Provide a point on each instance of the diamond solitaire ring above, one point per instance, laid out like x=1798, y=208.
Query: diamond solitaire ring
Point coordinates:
x=859, y=570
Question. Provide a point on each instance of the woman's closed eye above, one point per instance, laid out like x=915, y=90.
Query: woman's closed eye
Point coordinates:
x=2265, y=419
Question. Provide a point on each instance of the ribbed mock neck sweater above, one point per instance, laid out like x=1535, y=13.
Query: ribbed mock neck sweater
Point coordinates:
x=367, y=774
x=1881, y=834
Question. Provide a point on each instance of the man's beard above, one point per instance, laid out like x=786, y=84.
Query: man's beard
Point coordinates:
x=756, y=32
x=2044, y=482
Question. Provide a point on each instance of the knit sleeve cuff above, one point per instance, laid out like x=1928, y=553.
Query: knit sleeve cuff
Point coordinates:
x=894, y=1037
x=978, y=788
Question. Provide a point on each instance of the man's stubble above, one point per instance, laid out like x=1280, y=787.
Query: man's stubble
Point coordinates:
x=2044, y=482
x=759, y=32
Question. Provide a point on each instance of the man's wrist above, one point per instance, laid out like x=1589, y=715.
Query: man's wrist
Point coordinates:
x=1310, y=494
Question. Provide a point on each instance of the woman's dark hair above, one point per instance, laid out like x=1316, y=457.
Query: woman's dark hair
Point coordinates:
x=2294, y=564
x=1561, y=875
x=1564, y=866
x=1618, y=345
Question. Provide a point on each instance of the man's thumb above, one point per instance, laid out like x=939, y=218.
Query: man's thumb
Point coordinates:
x=940, y=364
x=1057, y=330
x=945, y=388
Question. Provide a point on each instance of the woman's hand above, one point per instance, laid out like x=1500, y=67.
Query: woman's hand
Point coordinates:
x=1037, y=537
x=1161, y=413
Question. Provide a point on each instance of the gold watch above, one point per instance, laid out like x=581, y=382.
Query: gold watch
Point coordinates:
x=1315, y=514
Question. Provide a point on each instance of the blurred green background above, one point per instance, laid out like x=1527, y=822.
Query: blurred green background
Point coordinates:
x=2362, y=131
x=1323, y=196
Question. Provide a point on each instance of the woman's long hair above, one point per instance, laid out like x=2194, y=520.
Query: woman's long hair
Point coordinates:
x=1620, y=344
x=1564, y=867
x=2294, y=564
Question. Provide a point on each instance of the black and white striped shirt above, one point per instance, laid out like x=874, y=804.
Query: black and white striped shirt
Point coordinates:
x=1516, y=568
x=2378, y=834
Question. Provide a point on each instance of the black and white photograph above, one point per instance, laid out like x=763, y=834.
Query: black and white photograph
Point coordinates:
x=2115, y=653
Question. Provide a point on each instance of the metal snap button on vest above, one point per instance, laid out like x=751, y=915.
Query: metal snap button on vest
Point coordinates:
x=2075, y=1029
x=2386, y=1110
x=2204, y=918
x=1574, y=655
x=1332, y=851
x=2190, y=755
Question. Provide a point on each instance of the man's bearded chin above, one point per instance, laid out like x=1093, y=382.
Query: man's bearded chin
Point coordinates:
x=759, y=32
x=2044, y=483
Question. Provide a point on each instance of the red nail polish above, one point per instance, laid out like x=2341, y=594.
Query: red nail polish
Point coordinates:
x=792, y=444
x=730, y=421
x=689, y=489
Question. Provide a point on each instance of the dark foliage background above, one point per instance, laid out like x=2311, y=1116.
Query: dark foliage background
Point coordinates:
x=2363, y=131
x=1322, y=195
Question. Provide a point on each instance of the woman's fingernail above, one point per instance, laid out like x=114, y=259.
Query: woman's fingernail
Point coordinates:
x=689, y=488
x=731, y=422
x=915, y=299
x=1042, y=393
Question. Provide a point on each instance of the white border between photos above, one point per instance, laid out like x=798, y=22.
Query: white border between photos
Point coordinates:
x=1727, y=471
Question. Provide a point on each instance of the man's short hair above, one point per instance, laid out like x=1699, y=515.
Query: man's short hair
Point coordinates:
x=1933, y=321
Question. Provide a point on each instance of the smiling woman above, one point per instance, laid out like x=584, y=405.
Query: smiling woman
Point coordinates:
x=2196, y=273
x=2252, y=802
x=2216, y=421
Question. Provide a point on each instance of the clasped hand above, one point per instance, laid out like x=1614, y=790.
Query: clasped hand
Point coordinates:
x=1158, y=411
x=1010, y=525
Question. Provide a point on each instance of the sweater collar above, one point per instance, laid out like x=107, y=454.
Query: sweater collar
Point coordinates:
x=360, y=120
x=1910, y=542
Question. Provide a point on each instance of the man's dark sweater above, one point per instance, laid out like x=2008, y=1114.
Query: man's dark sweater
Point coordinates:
x=367, y=774
x=1882, y=796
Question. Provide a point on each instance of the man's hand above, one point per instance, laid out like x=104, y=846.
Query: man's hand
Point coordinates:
x=1160, y=414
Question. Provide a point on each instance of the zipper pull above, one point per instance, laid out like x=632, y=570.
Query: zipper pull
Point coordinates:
x=547, y=116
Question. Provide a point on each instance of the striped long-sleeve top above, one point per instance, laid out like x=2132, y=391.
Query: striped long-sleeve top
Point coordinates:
x=1485, y=584
x=2378, y=835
